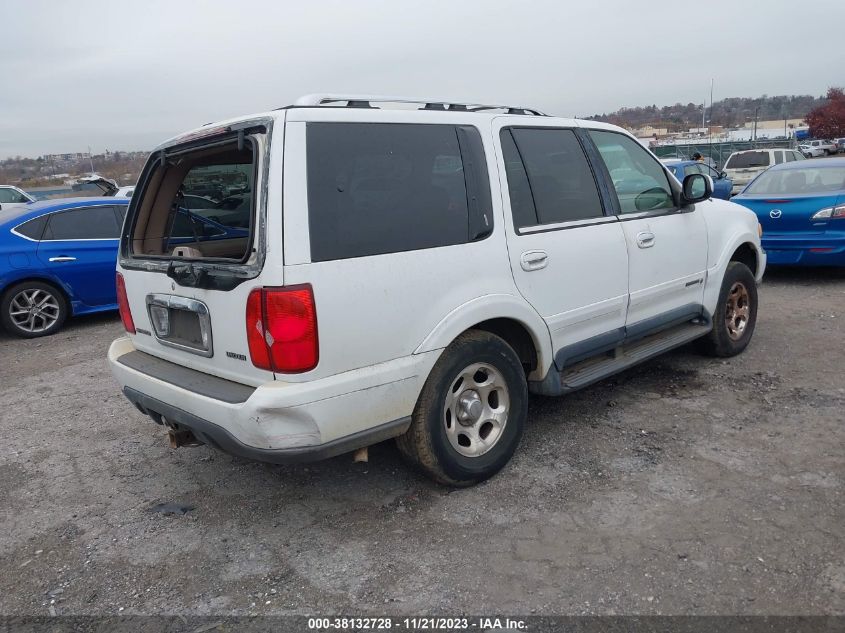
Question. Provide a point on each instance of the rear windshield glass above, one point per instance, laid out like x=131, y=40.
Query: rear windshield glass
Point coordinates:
x=200, y=206
x=748, y=159
x=809, y=180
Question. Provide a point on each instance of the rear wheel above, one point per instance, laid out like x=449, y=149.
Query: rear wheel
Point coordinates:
x=33, y=308
x=470, y=415
x=736, y=313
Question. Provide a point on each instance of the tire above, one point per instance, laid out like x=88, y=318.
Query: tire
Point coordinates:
x=50, y=312
x=736, y=314
x=452, y=438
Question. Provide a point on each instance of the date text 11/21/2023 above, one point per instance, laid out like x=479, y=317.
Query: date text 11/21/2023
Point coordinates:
x=415, y=623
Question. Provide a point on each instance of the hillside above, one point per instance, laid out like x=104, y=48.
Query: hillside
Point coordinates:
x=730, y=112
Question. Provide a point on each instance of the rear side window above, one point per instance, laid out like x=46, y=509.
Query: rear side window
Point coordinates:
x=32, y=229
x=560, y=179
x=90, y=223
x=376, y=188
x=778, y=158
x=748, y=159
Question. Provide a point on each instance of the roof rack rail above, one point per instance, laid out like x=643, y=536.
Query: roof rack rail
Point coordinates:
x=366, y=101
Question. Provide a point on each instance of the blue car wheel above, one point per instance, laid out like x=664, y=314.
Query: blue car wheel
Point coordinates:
x=33, y=308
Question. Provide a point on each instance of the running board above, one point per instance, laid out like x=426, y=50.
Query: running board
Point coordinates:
x=594, y=369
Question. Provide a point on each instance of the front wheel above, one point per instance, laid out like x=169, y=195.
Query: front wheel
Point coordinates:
x=736, y=313
x=33, y=308
x=470, y=414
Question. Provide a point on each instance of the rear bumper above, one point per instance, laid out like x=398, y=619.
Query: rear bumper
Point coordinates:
x=802, y=250
x=218, y=437
x=278, y=421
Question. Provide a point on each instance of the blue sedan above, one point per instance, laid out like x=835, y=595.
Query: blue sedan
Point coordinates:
x=801, y=206
x=58, y=257
x=682, y=168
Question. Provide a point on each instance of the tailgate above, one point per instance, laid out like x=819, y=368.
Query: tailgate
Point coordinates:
x=194, y=245
x=199, y=328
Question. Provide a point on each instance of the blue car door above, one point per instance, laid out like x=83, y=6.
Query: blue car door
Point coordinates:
x=721, y=186
x=79, y=247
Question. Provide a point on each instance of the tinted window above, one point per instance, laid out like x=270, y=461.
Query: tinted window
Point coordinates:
x=11, y=196
x=639, y=180
x=561, y=180
x=522, y=202
x=376, y=188
x=33, y=228
x=748, y=159
x=90, y=223
x=778, y=157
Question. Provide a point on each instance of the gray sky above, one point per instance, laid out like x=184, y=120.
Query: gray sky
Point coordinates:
x=127, y=74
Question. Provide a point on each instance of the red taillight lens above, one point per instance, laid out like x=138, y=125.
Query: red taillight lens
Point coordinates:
x=281, y=328
x=123, y=304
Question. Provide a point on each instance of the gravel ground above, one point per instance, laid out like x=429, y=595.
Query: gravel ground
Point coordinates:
x=687, y=485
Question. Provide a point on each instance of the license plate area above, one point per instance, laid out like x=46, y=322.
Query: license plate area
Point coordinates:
x=181, y=323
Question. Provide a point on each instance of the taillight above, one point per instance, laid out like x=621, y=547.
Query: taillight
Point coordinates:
x=830, y=213
x=123, y=304
x=281, y=329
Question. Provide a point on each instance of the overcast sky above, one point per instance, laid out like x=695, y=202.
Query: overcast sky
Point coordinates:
x=127, y=74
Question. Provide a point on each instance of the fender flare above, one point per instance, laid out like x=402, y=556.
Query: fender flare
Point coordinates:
x=485, y=308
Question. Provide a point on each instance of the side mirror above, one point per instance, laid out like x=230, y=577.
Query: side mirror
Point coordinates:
x=697, y=187
x=723, y=174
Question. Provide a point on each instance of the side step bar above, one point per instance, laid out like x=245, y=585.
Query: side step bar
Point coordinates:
x=594, y=369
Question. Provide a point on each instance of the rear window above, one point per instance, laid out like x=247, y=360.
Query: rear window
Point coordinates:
x=748, y=159
x=33, y=228
x=201, y=205
x=810, y=180
x=89, y=223
x=376, y=188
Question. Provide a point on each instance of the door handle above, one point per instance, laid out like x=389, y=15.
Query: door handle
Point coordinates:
x=645, y=239
x=533, y=260
x=63, y=258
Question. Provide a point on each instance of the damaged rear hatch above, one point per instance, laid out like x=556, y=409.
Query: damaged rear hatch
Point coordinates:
x=193, y=247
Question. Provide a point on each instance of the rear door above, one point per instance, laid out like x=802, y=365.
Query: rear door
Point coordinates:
x=389, y=217
x=667, y=247
x=79, y=246
x=567, y=251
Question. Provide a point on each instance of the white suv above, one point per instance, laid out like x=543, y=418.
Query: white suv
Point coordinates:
x=411, y=270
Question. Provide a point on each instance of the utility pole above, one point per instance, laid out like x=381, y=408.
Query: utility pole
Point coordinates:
x=90, y=160
x=756, y=112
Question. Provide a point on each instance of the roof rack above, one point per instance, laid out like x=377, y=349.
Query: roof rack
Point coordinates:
x=366, y=101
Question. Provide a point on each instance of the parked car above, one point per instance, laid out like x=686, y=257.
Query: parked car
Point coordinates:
x=801, y=207
x=414, y=273
x=722, y=185
x=125, y=192
x=56, y=260
x=810, y=151
x=840, y=144
x=11, y=197
x=742, y=167
x=828, y=147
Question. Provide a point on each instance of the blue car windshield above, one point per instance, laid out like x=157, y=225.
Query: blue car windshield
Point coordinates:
x=805, y=181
